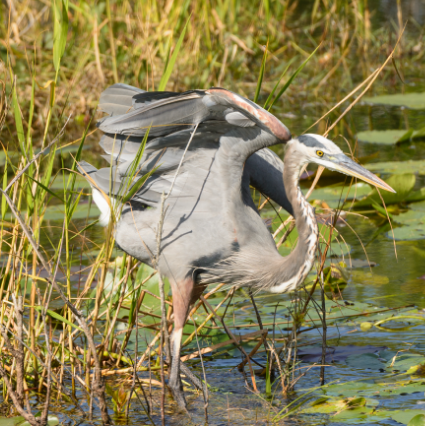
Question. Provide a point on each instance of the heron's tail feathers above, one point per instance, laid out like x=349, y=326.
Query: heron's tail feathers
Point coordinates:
x=118, y=99
x=99, y=194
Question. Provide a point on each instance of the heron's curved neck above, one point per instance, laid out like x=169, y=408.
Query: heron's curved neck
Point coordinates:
x=294, y=268
x=257, y=263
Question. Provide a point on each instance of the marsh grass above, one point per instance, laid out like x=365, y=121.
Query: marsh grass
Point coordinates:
x=57, y=57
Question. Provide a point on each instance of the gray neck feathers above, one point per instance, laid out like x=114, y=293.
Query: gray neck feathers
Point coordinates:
x=257, y=263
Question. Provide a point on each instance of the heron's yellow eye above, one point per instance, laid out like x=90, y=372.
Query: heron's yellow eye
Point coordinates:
x=319, y=153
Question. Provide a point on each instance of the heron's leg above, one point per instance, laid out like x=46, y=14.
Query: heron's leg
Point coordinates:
x=182, y=294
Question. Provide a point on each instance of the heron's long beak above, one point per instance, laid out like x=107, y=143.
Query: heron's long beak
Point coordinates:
x=346, y=165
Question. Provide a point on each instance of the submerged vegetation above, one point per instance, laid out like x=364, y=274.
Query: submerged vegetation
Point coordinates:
x=81, y=321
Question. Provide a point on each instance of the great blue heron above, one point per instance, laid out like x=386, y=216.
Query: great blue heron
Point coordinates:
x=212, y=231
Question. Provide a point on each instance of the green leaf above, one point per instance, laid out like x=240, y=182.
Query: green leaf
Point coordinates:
x=408, y=100
x=261, y=75
x=419, y=133
x=418, y=420
x=138, y=184
x=48, y=171
x=335, y=195
x=410, y=217
x=3, y=198
x=404, y=362
x=278, y=82
x=415, y=196
x=170, y=65
x=398, y=167
x=45, y=188
x=18, y=121
x=84, y=229
x=11, y=421
x=406, y=416
x=402, y=184
x=409, y=232
x=56, y=316
x=364, y=361
x=288, y=83
x=385, y=137
x=60, y=31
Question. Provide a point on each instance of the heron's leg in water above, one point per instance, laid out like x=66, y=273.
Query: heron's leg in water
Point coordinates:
x=182, y=294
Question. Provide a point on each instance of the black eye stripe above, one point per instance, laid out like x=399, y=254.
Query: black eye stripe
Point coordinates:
x=310, y=141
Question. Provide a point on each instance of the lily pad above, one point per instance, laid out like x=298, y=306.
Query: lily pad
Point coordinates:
x=335, y=195
x=20, y=421
x=410, y=232
x=385, y=137
x=408, y=100
x=374, y=389
x=404, y=362
x=368, y=278
x=401, y=183
x=410, y=217
x=365, y=361
x=406, y=416
x=390, y=137
x=418, y=206
x=398, y=167
x=418, y=420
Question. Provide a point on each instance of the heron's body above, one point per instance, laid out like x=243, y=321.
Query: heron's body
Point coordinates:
x=211, y=229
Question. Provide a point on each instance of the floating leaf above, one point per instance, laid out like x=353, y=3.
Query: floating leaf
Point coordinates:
x=381, y=388
x=418, y=206
x=365, y=361
x=404, y=362
x=402, y=184
x=418, y=420
x=20, y=421
x=368, y=278
x=407, y=415
x=410, y=232
x=410, y=217
x=408, y=100
x=385, y=137
x=398, y=167
x=335, y=195
x=355, y=413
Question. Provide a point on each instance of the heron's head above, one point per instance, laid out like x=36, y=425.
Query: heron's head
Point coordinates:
x=317, y=149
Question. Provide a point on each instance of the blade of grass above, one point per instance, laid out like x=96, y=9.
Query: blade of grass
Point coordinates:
x=290, y=80
x=261, y=75
x=167, y=72
x=56, y=316
x=18, y=120
x=45, y=188
x=278, y=82
x=60, y=32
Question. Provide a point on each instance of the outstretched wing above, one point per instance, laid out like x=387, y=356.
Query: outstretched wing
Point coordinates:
x=170, y=118
x=167, y=112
